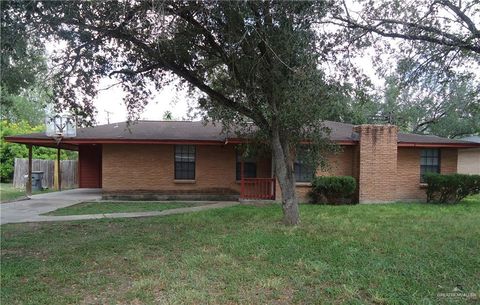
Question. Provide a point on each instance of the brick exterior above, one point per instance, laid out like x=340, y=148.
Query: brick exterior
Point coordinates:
x=448, y=160
x=150, y=168
x=409, y=187
x=383, y=171
x=340, y=164
x=378, y=163
x=408, y=175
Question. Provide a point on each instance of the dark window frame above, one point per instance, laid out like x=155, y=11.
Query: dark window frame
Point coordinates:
x=249, y=167
x=185, y=169
x=302, y=171
x=430, y=162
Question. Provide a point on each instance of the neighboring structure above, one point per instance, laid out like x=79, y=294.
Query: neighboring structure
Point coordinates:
x=192, y=160
x=469, y=158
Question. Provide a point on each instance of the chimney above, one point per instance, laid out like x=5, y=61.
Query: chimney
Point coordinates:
x=377, y=166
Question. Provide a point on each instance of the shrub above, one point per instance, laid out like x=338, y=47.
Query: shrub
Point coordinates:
x=333, y=190
x=451, y=188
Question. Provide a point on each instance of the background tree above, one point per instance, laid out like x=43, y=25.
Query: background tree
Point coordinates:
x=429, y=105
x=447, y=28
x=434, y=49
x=24, y=93
x=23, y=71
x=10, y=151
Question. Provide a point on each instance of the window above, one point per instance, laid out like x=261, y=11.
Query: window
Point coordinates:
x=184, y=162
x=429, y=162
x=303, y=171
x=249, y=168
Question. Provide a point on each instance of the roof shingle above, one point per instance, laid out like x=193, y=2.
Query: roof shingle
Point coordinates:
x=201, y=131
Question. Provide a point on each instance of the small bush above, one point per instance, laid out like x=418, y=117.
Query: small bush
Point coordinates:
x=451, y=188
x=333, y=190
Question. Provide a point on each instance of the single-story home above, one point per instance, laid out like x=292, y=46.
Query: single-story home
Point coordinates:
x=194, y=160
x=469, y=158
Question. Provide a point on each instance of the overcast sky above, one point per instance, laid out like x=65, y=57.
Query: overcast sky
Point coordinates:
x=110, y=103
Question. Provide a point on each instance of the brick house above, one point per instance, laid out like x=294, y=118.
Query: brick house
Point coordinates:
x=191, y=160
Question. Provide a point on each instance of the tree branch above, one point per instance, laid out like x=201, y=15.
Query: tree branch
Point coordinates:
x=185, y=15
x=417, y=30
x=470, y=25
x=134, y=72
x=417, y=37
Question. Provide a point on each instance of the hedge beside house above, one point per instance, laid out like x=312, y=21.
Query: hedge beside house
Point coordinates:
x=451, y=188
x=333, y=190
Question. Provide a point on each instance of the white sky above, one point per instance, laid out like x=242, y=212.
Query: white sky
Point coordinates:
x=168, y=99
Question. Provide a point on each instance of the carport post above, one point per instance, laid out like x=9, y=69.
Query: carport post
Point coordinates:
x=59, y=173
x=242, y=182
x=29, y=179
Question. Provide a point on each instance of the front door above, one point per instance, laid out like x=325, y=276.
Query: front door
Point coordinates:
x=90, y=166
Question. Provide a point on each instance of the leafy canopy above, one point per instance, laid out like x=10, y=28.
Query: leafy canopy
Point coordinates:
x=10, y=151
x=252, y=61
x=23, y=73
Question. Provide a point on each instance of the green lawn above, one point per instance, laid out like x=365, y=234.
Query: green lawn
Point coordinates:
x=8, y=192
x=362, y=254
x=118, y=207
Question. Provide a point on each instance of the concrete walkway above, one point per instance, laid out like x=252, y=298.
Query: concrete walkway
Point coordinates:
x=30, y=210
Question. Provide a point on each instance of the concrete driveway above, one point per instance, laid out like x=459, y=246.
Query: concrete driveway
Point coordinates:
x=29, y=210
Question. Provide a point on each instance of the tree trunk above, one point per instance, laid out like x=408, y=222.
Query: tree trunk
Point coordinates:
x=286, y=178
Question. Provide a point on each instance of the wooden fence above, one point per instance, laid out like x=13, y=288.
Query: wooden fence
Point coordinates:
x=68, y=172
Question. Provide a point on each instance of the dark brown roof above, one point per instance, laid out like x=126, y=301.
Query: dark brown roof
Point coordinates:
x=147, y=130
x=200, y=132
x=416, y=138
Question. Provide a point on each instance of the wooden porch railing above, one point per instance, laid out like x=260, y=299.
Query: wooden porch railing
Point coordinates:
x=257, y=188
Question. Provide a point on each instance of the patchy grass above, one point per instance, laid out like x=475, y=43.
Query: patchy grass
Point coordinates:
x=103, y=207
x=362, y=254
x=9, y=193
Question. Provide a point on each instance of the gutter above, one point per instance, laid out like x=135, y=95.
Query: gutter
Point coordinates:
x=445, y=145
x=72, y=143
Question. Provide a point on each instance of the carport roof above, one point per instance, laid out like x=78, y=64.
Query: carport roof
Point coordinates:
x=198, y=132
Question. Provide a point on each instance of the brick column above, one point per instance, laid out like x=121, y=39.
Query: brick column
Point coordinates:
x=377, y=168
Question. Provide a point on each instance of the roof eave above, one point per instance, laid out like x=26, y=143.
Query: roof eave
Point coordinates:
x=50, y=143
x=74, y=142
x=439, y=145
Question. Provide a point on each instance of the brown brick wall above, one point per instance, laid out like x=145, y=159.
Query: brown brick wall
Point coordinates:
x=378, y=163
x=385, y=177
x=408, y=172
x=340, y=164
x=151, y=168
x=408, y=175
x=448, y=160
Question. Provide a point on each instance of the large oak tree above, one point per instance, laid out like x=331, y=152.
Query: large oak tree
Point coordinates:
x=253, y=62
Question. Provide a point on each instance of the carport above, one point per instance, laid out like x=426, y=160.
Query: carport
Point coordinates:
x=89, y=157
